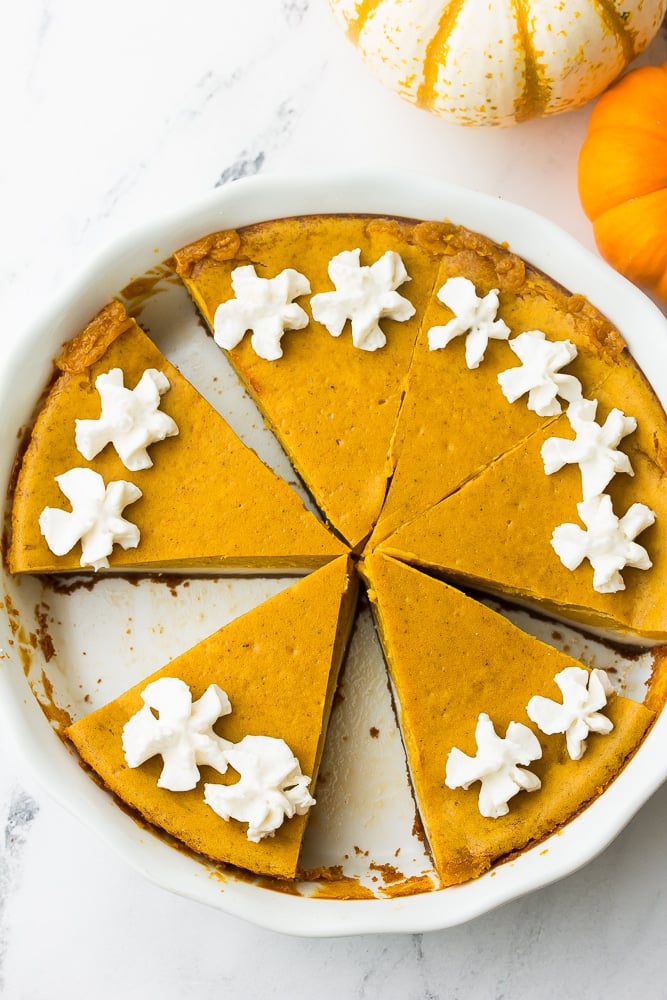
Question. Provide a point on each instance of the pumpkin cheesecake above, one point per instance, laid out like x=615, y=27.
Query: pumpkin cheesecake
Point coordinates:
x=332, y=405
x=277, y=665
x=452, y=660
x=200, y=500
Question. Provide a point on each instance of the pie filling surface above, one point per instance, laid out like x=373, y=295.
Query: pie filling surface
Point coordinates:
x=459, y=420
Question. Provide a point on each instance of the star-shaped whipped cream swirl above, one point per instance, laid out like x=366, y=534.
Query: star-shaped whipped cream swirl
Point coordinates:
x=474, y=317
x=496, y=765
x=608, y=541
x=539, y=374
x=271, y=787
x=584, y=695
x=130, y=419
x=364, y=295
x=95, y=519
x=594, y=449
x=171, y=725
x=263, y=305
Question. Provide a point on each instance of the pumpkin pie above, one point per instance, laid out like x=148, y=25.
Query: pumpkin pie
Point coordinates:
x=332, y=405
x=418, y=462
x=278, y=665
x=450, y=659
x=207, y=501
x=495, y=533
x=455, y=419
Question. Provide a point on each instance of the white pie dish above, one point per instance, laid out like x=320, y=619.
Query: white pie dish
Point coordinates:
x=26, y=657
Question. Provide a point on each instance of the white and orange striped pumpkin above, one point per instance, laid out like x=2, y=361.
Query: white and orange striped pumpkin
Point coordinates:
x=497, y=62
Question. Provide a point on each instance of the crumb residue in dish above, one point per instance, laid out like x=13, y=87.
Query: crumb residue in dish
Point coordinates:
x=388, y=872
x=43, y=637
x=59, y=717
x=413, y=886
x=138, y=292
x=346, y=887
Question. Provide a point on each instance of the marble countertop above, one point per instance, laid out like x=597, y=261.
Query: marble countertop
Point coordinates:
x=118, y=116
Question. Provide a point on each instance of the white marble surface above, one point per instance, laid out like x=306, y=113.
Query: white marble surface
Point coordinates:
x=115, y=114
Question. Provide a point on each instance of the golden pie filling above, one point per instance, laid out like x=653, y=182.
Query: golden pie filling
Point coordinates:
x=460, y=421
x=238, y=513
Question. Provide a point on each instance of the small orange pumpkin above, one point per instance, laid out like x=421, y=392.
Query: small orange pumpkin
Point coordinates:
x=622, y=176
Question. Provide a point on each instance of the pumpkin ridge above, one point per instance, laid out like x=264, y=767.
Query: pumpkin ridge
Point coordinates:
x=629, y=236
x=435, y=53
x=616, y=22
x=536, y=92
x=355, y=23
x=636, y=166
x=643, y=89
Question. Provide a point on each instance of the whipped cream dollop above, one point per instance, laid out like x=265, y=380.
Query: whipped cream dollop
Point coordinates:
x=608, y=541
x=179, y=730
x=474, y=317
x=130, y=419
x=95, y=519
x=496, y=765
x=539, y=374
x=584, y=695
x=263, y=305
x=271, y=787
x=364, y=295
x=594, y=449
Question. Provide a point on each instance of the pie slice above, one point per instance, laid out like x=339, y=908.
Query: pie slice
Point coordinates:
x=495, y=533
x=451, y=659
x=455, y=419
x=207, y=500
x=333, y=406
x=278, y=665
